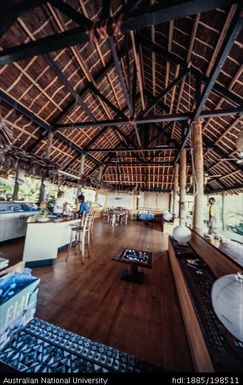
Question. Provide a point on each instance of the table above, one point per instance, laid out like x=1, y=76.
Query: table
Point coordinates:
x=134, y=258
x=117, y=217
x=147, y=217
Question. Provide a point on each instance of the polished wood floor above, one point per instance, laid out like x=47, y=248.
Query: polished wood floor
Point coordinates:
x=92, y=300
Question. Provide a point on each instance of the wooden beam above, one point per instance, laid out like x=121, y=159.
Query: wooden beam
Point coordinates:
x=152, y=15
x=166, y=91
x=11, y=9
x=97, y=78
x=91, y=142
x=230, y=38
x=82, y=94
x=119, y=73
x=24, y=111
x=71, y=13
x=125, y=163
x=235, y=187
x=40, y=122
x=153, y=119
x=218, y=89
x=68, y=86
x=138, y=69
x=162, y=147
x=107, y=101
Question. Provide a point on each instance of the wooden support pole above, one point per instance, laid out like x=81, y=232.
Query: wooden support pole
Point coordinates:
x=223, y=211
x=175, y=189
x=83, y=156
x=81, y=172
x=16, y=186
x=49, y=145
x=42, y=194
x=182, y=187
x=197, y=143
x=101, y=171
x=19, y=179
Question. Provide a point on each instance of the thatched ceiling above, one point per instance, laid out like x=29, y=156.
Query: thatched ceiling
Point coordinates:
x=111, y=65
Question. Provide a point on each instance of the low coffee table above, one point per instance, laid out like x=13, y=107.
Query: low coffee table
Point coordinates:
x=134, y=258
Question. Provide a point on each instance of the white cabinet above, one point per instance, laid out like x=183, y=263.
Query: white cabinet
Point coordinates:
x=44, y=239
x=13, y=225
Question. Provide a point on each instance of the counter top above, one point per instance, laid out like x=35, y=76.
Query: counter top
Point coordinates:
x=230, y=249
x=51, y=221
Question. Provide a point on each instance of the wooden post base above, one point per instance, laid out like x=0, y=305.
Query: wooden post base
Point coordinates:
x=133, y=275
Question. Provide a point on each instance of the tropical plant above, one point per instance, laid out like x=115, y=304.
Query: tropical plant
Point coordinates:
x=30, y=189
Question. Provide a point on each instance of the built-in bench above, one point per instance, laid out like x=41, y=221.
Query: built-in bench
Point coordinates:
x=194, y=292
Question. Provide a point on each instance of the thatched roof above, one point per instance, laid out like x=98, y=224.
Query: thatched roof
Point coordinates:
x=109, y=80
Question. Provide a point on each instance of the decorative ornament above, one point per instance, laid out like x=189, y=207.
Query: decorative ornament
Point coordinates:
x=182, y=234
x=227, y=301
x=6, y=135
x=167, y=216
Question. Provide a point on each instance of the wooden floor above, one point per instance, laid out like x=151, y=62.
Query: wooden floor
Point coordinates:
x=93, y=301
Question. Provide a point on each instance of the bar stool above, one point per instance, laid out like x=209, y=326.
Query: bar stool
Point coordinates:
x=79, y=233
x=92, y=226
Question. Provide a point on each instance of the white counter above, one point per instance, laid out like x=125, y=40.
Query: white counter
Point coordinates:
x=44, y=239
x=13, y=225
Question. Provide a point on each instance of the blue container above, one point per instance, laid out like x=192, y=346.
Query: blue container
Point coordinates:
x=18, y=299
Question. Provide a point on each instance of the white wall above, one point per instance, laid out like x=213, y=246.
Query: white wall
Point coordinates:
x=154, y=201
x=120, y=200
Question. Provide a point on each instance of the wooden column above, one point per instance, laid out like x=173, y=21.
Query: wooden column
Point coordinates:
x=197, y=143
x=83, y=156
x=49, y=145
x=101, y=170
x=19, y=179
x=175, y=189
x=183, y=187
x=223, y=212
x=47, y=156
x=81, y=172
x=16, y=186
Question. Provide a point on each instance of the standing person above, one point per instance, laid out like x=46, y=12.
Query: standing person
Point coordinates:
x=60, y=203
x=83, y=208
x=212, y=216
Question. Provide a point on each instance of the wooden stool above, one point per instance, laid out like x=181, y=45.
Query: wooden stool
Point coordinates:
x=80, y=233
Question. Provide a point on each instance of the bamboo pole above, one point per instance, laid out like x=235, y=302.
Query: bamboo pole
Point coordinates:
x=223, y=211
x=83, y=156
x=197, y=143
x=175, y=189
x=47, y=156
x=101, y=171
x=183, y=187
x=81, y=172
x=16, y=186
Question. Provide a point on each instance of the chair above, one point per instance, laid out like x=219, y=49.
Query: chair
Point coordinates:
x=105, y=216
x=92, y=226
x=81, y=234
x=86, y=235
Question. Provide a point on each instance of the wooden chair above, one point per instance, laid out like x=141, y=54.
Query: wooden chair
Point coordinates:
x=75, y=236
x=80, y=235
x=105, y=216
x=92, y=226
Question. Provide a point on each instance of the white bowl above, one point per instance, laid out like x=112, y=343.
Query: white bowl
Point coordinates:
x=43, y=220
